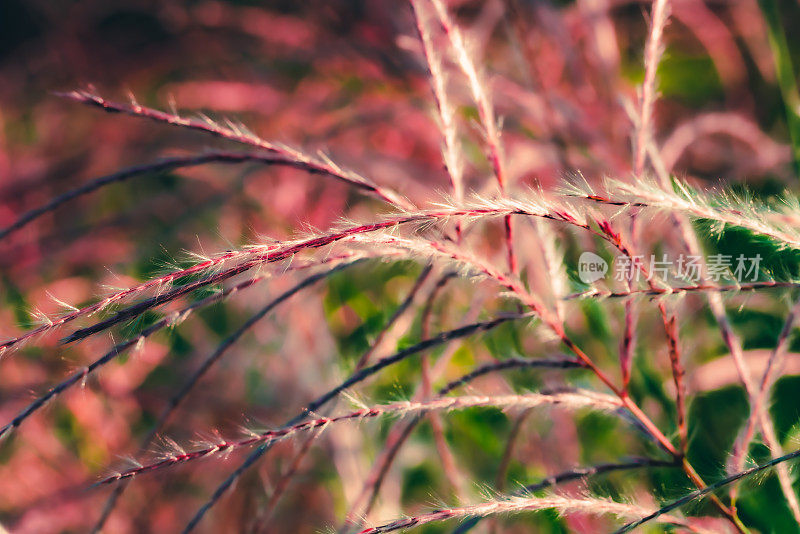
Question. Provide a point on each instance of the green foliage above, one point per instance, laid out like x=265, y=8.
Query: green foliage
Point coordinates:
x=475, y=438
x=689, y=78
x=785, y=408
x=363, y=292
x=763, y=506
x=715, y=417
x=785, y=71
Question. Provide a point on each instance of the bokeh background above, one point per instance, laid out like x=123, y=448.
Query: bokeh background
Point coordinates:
x=346, y=78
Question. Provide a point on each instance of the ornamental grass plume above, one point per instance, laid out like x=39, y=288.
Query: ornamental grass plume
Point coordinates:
x=517, y=230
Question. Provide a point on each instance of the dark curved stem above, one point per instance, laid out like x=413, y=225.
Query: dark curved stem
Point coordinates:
x=164, y=165
x=708, y=489
x=393, y=448
x=209, y=362
x=355, y=378
x=578, y=473
x=241, y=135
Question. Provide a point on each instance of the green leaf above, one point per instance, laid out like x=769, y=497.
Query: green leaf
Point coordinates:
x=785, y=71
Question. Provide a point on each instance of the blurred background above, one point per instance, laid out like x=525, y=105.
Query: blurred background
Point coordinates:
x=349, y=79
